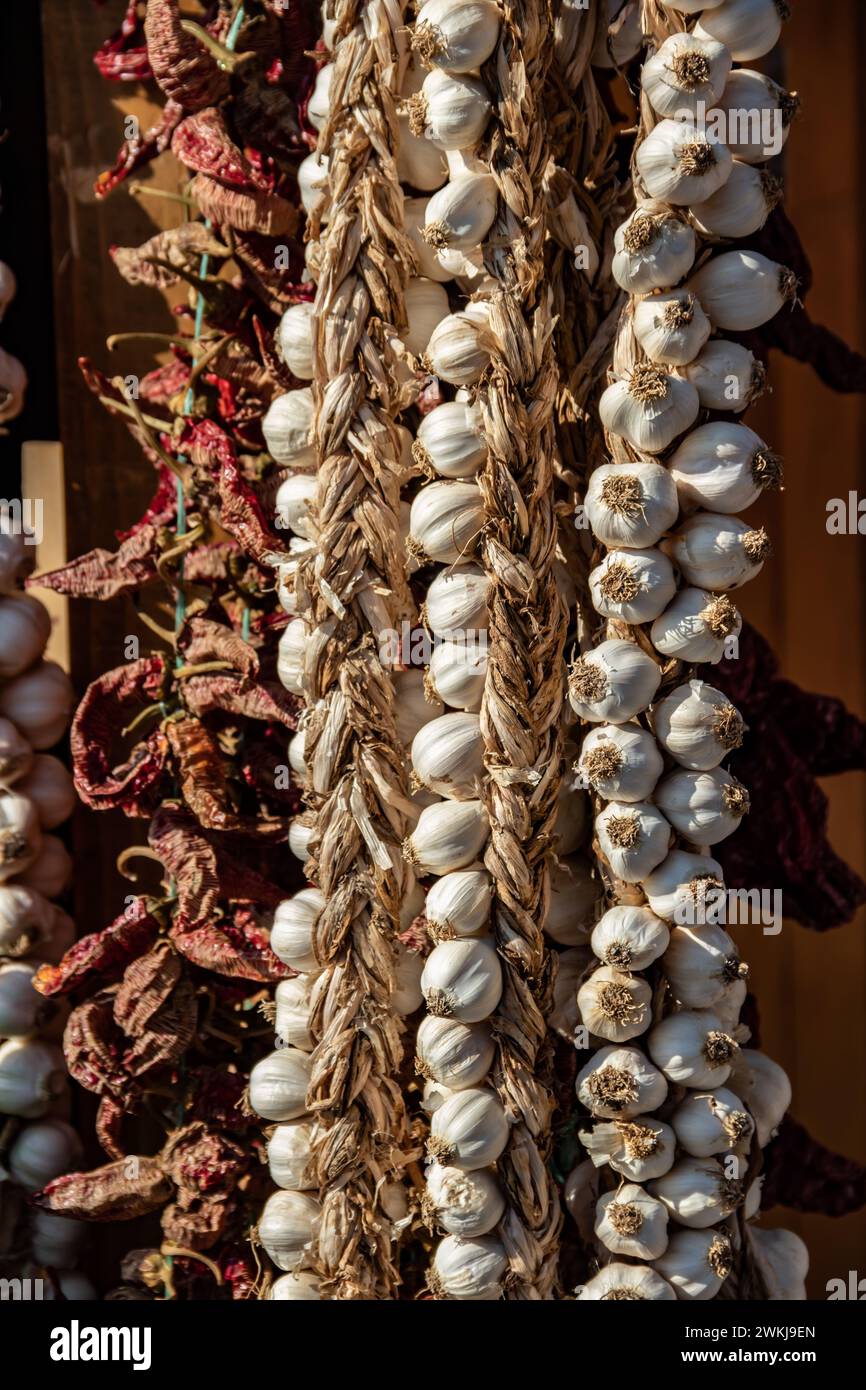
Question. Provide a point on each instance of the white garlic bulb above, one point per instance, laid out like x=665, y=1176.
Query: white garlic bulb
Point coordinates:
x=749, y=28
x=289, y=1156
x=632, y=585
x=700, y=964
x=449, y=835
x=727, y=376
x=741, y=290
x=413, y=708
x=287, y=428
x=766, y=1090
x=696, y=626
x=426, y=307
x=633, y=837
x=294, y=340
x=458, y=904
x=470, y=1270
x=293, y=929
x=469, y=1130
x=614, y=1005
x=20, y=834
x=619, y=1083
x=685, y=75
x=296, y=496
x=705, y=807
x=42, y=1151
x=286, y=1228
x=420, y=164
x=696, y=1263
x=293, y=999
x=724, y=467
x=675, y=888
x=296, y=754
x=26, y=919
x=718, y=552
x=458, y=35
x=451, y=110
x=278, y=1084
x=51, y=789
x=574, y=894
x=631, y=1222
x=631, y=504
x=698, y=1193
x=463, y=1204
x=711, y=1122
x=407, y=997
x=692, y=1049
x=459, y=347
x=457, y=673
x=649, y=408
x=462, y=979
x=16, y=755
x=637, y=1283
x=612, y=682
x=22, y=1009
x=456, y=604
x=653, y=249
x=671, y=327
x=637, y=1149
x=620, y=761
x=680, y=164
x=461, y=214
x=429, y=264
x=783, y=1260
x=630, y=937
x=32, y=1077
x=313, y=185
x=51, y=870
x=770, y=110
x=434, y=1095
x=450, y=440
x=457, y=1055
x=741, y=206
x=299, y=1287
x=446, y=522
x=320, y=97
x=25, y=627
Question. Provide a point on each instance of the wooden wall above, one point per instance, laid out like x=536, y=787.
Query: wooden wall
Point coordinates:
x=809, y=602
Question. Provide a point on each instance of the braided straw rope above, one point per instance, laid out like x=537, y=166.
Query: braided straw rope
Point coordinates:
x=520, y=714
x=356, y=589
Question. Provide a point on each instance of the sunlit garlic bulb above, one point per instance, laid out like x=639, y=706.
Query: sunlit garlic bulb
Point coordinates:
x=619, y=1083
x=615, y=1005
x=631, y=1222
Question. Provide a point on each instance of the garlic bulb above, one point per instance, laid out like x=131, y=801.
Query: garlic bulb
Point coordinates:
x=470, y=1270
x=631, y=504
x=16, y=755
x=462, y=979
x=449, y=835
x=296, y=754
x=300, y=1287
x=457, y=673
x=459, y=347
x=718, y=552
x=705, y=807
x=741, y=290
x=20, y=835
x=293, y=929
x=461, y=214
x=749, y=28
x=619, y=1083
x=450, y=440
x=698, y=1193
x=294, y=340
x=49, y=786
x=26, y=919
x=463, y=1204
x=674, y=889
x=620, y=761
x=320, y=97
x=766, y=1090
x=287, y=573
x=420, y=164
x=287, y=428
x=446, y=522
x=671, y=327
x=633, y=837
x=696, y=626
x=615, y=1005
x=286, y=1228
x=770, y=111
x=649, y=408
x=313, y=185
x=630, y=937
x=711, y=1122
x=295, y=497
x=55, y=1239
x=685, y=75
x=457, y=1055
x=25, y=627
x=451, y=111
x=653, y=249
x=278, y=1084
x=42, y=1151
x=631, y=1222
x=429, y=264
x=724, y=467
x=727, y=376
x=636, y=1283
x=469, y=1130
x=407, y=996
x=632, y=585
x=39, y=703
x=696, y=1263
x=612, y=682
x=680, y=164
x=22, y=1010
x=458, y=35
x=426, y=307
x=32, y=1077
x=691, y=1049
x=456, y=604
x=301, y=831
x=637, y=1149
x=458, y=904
x=574, y=895
x=49, y=873
x=700, y=965
x=293, y=1004
x=289, y=1156
x=619, y=37
x=742, y=206
x=434, y=1095
x=413, y=708
x=783, y=1260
